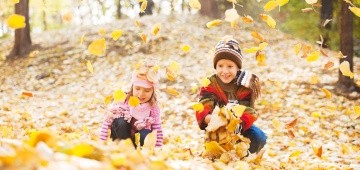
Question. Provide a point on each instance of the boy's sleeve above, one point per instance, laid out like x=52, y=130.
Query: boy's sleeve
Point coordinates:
x=248, y=117
x=207, y=99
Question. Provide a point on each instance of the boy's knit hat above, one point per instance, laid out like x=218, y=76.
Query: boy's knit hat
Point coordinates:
x=228, y=49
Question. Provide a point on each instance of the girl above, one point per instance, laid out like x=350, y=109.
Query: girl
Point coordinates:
x=127, y=120
x=232, y=85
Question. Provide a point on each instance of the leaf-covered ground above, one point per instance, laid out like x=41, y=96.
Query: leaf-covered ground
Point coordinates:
x=67, y=102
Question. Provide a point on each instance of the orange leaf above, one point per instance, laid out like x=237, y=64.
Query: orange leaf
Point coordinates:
x=247, y=19
x=291, y=134
x=172, y=91
x=291, y=124
x=317, y=151
x=155, y=29
x=27, y=93
x=257, y=36
x=327, y=93
x=328, y=65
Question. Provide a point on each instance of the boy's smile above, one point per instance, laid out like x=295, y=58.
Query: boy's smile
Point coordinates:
x=226, y=70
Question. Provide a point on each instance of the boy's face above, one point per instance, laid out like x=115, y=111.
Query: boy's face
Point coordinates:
x=226, y=70
x=144, y=94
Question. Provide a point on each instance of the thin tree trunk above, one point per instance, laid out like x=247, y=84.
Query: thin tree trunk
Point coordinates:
x=44, y=17
x=345, y=84
x=209, y=8
x=118, y=9
x=22, y=44
x=326, y=13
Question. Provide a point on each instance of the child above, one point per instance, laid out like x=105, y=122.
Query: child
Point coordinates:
x=232, y=85
x=125, y=120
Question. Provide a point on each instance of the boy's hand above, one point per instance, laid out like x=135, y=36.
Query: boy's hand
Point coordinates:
x=207, y=119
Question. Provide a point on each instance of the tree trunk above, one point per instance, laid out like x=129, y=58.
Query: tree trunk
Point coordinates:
x=326, y=13
x=44, y=16
x=149, y=8
x=118, y=9
x=345, y=84
x=209, y=8
x=22, y=43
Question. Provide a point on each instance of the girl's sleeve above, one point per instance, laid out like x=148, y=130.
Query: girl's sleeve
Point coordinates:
x=157, y=126
x=105, y=128
x=207, y=99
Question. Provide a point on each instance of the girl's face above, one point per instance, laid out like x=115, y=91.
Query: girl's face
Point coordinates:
x=226, y=70
x=144, y=94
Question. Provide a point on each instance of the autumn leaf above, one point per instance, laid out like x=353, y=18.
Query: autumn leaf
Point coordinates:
x=260, y=58
x=42, y=136
x=291, y=124
x=143, y=37
x=297, y=48
x=134, y=101
x=317, y=151
x=327, y=93
x=185, y=48
x=16, y=21
x=257, y=36
x=27, y=93
x=116, y=34
x=213, y=148
x=204, y=82
x=137, y=139
x=89, y=66
x=270, y=5
x=247, y=19
x=345, y=69
x=355, y=10
x=269, y=20
x=155, y=29
x=276, y=123
x=214, y=23
x=311, y=1
x=295, y=153
x=313, y=56
x=328, y=65
x=97, y=47
x=231, y=15
x=15, y=1
x=143, y=6
x=102, y=31
x=291, y=134
x=195, y=4
x=172, y=91
x=150, y=140
x=198, y=107
x=82, y=39
x=119, y=96
x=282, y=2
x=82, y=150
x=307, y=9
x=238, y=110
x=316, y=114
x=356, y=112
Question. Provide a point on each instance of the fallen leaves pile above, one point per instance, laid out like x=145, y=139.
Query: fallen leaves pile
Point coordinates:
x=53, y=102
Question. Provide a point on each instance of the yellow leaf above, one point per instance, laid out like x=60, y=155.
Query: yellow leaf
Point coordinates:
x=214, y=23
x=119, y=160
x=138, y=23
x=213, y=148
x=16, y=21
x=89, y=66
x=276, y=123
x=282, y=2
x=195, y=4
x=345, y=69
x=155, y=29
x=134, y=101
x=102, y=31
x=137, y=139
x=172, y=91
x=344, y=149
x=327, y=93
x=271, y=22
x=143, y=6
x=238, y=110
x=82, y=150
x=82, y=39
x=313, y=56
x=316, y=114
x=150, y=140
x=261, y=58
x=198, y=107
x=231, y=15
x=97, y=47
x=262, y=45
x=119, y=96
x=233, y=125
x=270, y=5
x=251, y=50
x=107, y=99
x=204, y=82
x=174, y=66
x=42, y=136
x=311, y=1
x=15, y=1
x=295, y=153
x=356, y=112
x=247, y=19
x=355, y=10
x=297, y=48
x=314, y=80
x=143, y=37
x=116, y=34
x=85, y=129
x=257, y=36
x=185, y=48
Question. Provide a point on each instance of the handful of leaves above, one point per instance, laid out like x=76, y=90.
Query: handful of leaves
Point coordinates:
x=220, y=133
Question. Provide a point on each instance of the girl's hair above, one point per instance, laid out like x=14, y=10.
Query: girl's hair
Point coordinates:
x=153, y=99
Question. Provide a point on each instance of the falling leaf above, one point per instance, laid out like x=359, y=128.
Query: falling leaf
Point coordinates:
x=107, y=99
x=262, y=45
x=134, y=101
x=97, y=47
x=119, y=96
x=327, y=93
x=214, y=23
x=172, y=91
x=82, y=39
x=231, y=15
x=185, y=48
x=317, y=151
x=116, y=34
x=155, y=29
x=313, y=56
x=89, y=66
x=311, y=1
x=143, y=37
x=341, y=55
x=198, y=107
x=195, y=4
x=238, y=110
x=204, y=82
x=345, y=69
x=257, y=36
x=282, y=2
x=269, y=20
x=15, y=1
x=291, y=124
x=307, y=9
x=247, y=19
x=295, y=153
x=143, y=6
x=67, y=17
x=270, y=5
x=326, y=22
x=297, y=48
x=16, y=21
x=27, y=93
x=138, y=23
x=42, y=136
x=355, y=10
x=251, y=50
x=260, y=58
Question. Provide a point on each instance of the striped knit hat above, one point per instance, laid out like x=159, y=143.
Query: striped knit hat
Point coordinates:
x=230, y=50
